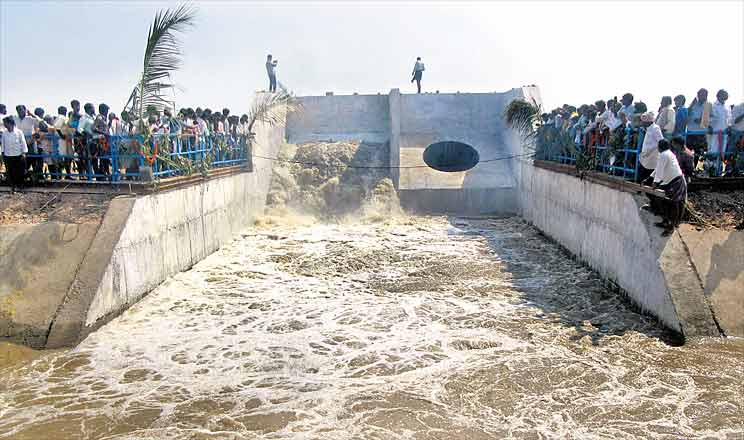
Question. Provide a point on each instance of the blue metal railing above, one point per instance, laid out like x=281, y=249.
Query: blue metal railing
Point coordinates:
x=622, y=160
x=115, y=158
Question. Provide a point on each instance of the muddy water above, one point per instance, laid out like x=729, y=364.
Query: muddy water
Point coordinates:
x=415, y=329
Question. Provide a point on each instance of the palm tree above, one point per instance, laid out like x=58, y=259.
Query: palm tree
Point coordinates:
x=272, y=108
x=524, y=117
x=162, y=56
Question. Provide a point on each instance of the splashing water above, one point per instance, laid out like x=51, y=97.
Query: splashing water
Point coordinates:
x=425, y=328
x=332, y=181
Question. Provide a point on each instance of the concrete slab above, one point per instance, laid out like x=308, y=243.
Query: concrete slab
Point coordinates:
x=718, y=257
x=38, y=265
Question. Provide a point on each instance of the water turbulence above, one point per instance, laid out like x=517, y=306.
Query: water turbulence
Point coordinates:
x=374, y=325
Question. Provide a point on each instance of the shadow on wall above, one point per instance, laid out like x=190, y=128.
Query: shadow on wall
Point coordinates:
x=568, y=292
x=724, y=259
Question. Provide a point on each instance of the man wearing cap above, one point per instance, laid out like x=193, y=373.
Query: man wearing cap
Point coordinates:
x=14, y=149
x=650, y=151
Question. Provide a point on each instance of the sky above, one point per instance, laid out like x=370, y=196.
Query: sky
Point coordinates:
x=576, y=52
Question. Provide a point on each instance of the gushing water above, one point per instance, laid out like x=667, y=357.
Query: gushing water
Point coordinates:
x=425, y=328
x=377, y=326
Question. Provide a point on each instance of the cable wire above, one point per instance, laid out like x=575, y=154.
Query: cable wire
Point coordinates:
x=321, y=165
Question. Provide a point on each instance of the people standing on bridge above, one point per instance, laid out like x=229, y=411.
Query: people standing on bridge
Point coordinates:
x=271, y=71
x=14, y=149
x=418, y=71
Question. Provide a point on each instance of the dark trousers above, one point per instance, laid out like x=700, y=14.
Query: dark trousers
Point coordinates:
x=15, y=168
x=272, y=83
x=674, y=212
x=643, y=173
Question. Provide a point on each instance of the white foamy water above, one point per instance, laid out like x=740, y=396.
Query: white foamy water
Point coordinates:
x=423, y=328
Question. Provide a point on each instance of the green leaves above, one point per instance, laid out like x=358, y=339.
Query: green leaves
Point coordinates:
x=524, y=117
x=162, y=57
x=272, y=108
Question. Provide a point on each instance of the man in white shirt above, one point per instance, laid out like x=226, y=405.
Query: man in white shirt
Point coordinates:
x=720, y=120
x=64, y=140
x=650, y=150
x=669, y=177
x=14, y=149
x=85, y=129
x=666, y=117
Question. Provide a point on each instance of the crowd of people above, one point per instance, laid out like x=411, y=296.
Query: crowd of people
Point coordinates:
x=38, y=145
x=671, y=146
x=710, y=132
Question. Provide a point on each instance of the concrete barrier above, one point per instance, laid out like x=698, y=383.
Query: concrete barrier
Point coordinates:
x=39, y=263
x=59, y=282
x=690, y=281
x=409, y=124
x=145, y=239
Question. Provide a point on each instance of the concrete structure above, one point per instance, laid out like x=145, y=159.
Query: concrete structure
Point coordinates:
x=689, y=281
x=409, y=124
x=65, y=281
x=692, y=281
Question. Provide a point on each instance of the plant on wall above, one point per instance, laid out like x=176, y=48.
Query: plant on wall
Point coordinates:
x=272, y=108
x=162, y=57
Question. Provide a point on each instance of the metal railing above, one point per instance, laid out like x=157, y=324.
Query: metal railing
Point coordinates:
x=114, y=158
x=621, y=158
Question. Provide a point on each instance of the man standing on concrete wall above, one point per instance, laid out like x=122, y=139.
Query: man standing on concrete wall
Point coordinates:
x=418, y=70
x=271, y=70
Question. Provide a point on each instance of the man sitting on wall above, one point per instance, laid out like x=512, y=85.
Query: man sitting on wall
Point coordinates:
x=668, y=176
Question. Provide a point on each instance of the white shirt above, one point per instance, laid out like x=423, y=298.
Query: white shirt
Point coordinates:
x=629, y=110
x=650, y=151
x=14, y=143
x=65, y=145
x=203, y=128
x=609, y=119
x=735, y=113
x=27, y=125
x=666, y=119
x=720, y=117
x=667, y=168
x=86, y=124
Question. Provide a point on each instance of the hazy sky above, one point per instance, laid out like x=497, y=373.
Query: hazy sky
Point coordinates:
x=53, y=51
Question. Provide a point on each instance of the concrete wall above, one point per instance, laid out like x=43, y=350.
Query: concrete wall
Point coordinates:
x=350, y=117
x=689, y=281
x=38, y=265
x=410, y=123
x=145, y=239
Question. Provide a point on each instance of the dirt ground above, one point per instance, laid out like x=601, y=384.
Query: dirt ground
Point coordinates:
x=33, y=207
x=717, y=209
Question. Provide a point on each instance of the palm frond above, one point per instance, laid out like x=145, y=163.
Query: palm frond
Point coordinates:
x=162, y=57
x=272, y=108
x=524, y=117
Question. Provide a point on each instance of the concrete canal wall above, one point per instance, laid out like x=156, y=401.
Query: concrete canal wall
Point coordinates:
x=68, y=280
x=692, y=281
